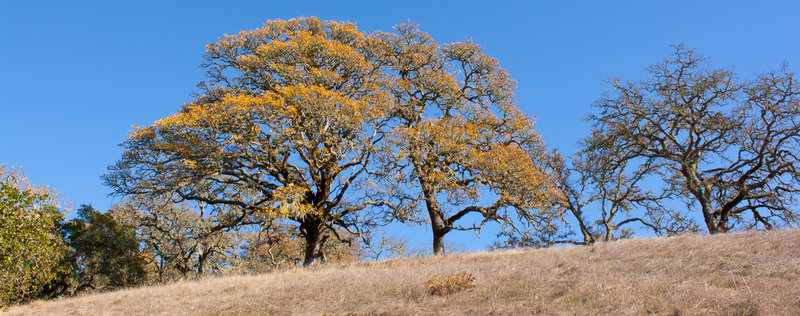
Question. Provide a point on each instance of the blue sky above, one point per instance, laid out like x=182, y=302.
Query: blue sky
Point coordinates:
x=75, y=76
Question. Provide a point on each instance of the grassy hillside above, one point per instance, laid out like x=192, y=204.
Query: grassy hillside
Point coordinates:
x=734, y=274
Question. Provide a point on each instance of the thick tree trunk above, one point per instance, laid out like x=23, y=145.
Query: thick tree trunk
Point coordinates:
x=708, y=217
x=201, y=262
x=437, y=220
x=315, y=238
x=201, y=266
x=438, y=240
x=722, y=223
x=702, y=193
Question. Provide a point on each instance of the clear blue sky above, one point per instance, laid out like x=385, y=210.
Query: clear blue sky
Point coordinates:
x=75, y=75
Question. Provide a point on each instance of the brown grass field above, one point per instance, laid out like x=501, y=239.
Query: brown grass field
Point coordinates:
x=755, y=273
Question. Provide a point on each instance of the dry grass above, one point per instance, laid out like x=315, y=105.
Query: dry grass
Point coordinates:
x=734, y=274
x=446, y=284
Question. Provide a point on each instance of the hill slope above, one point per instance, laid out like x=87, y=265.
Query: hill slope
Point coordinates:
x=742, y=274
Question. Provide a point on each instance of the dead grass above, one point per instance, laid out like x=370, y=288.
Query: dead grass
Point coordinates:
x=754, y=273
x=446, y=284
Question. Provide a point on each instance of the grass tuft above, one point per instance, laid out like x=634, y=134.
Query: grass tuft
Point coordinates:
x=446, y=284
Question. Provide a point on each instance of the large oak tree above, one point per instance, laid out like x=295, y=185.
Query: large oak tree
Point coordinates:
x=284, y=127
x=459, y=145
x=298, y=112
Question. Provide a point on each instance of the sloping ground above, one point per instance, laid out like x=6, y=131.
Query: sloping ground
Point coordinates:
x=733, y=274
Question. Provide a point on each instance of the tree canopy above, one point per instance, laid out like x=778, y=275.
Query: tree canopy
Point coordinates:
x=102, y=254
x=459, y=144
x=285, y=125
x=726, y=144
x=296, y=113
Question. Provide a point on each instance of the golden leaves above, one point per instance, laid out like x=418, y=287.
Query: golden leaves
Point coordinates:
x=290, y=201
x=463, y=130
x=514, y=172
x=296, y=102
x=304, y=51
x=189, y=163
x=140, y=132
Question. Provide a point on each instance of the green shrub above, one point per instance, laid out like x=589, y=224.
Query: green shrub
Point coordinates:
x=30, y=247
x=103, y=254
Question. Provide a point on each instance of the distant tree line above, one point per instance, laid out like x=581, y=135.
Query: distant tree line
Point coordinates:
x=308, y=135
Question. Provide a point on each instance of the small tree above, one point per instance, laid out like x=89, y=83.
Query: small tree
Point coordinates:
x=30, y=247
x=102, y=254
x=459, y=145
x=725, y=144
x=180, y=241
x=604, y=191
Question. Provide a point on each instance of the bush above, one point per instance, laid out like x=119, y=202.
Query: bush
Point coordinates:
x=445, y=284
x=30, y=247
x=102, y=254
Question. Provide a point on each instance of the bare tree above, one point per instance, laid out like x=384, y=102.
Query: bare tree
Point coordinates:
x=183, y=241
x=725, y=144
x=605, y=192
x=603, y=197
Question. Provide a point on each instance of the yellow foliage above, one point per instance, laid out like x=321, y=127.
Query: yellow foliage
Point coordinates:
x=291, y=202
x=302, y=104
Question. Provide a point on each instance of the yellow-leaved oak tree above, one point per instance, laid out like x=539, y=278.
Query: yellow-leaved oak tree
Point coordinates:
x=459, y=144
x=283, y=128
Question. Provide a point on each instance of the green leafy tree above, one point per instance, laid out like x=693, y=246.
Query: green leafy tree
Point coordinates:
x=103, y=254
x=30, y=247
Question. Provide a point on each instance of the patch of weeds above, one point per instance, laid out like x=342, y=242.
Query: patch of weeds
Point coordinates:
x=445, y=284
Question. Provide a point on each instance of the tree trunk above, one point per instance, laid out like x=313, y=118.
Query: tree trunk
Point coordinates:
x=588, y=239
x=702, y=193
x=708, y=217
x=722, y=223
x=201, y=266
x=315, y=238
x=437, y=220
x=201, y=262
x=185, y=267
x=438, y=239
x=609, y=230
